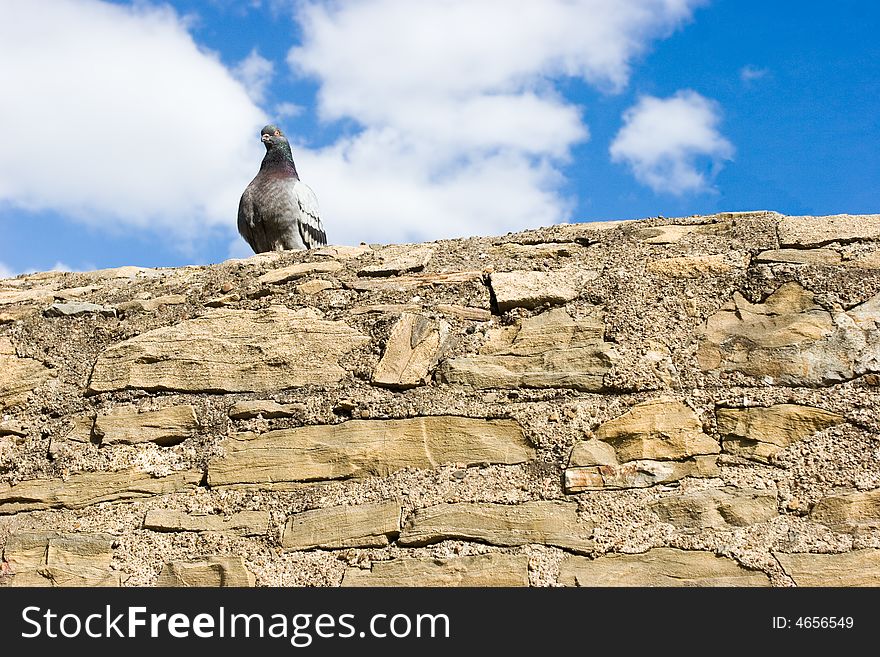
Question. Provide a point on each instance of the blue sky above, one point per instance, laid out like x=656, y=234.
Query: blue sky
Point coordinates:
x=132, y=128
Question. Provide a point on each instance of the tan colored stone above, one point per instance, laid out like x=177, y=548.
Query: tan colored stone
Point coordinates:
x=315, y=286
x=38, y=296
x=120, y=273
x=543, y=250
x=245, y=523
x=399, y=259
x=800, y=256
x=230, y=351
x=402, y=283
x=690, y=266
x=298, y=270
x=245, y=410
x=12, y=428
x=869, y=260
x=411, y=352
x=494, y=569
x=363, y=448
x=638, y=474
x=717, y=508
x=78, y=308
x=660, y=567
x=659, y=429
x=849, y=512
x=789, y=340
x=151, y=305
x=673, y=233
x=592, y=452
x=464, y=312
x=387, y=308
x=818, y=231
x=540, y=521
x=85, y=488
x=759, y=433
x=18, y=376
x=47, y=558
x=213, y=571
x=364, y=525
x=550, y=350
x=856, y=568
x=530, y=289
x=17, y=313
x=81, y=428
x=166, y=426
x=341, y=252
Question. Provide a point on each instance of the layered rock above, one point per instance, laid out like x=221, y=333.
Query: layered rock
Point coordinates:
x=364, y=525
x=493, y=569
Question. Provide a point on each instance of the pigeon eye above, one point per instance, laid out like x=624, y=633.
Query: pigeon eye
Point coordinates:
x=277, y=133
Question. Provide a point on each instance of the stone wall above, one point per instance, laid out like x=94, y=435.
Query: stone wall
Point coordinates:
x=658, y=402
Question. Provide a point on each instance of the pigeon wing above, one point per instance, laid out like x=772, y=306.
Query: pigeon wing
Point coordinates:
x=310, y=228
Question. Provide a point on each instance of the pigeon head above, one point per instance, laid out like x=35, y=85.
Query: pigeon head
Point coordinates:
x=277, y=146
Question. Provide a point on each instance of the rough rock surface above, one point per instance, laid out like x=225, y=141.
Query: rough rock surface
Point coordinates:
x=666, y=401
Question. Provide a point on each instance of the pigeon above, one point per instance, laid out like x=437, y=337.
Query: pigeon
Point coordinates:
x=277, y=210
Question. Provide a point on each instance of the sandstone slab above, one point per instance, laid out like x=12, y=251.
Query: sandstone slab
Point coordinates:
x=267, y=408
x=788, y=339
x=492, y=569
x=849, y=512
x=530, y=289
x=856, y=568
x=664, y=567
x=540, y=521
x=315, y=286
x=342, y=252
x=229, y=350
x=464, y=312
x=402, y=283
x=411, y=352
x=48, y=558
x=399, y=259
x=166, y=426
x=717, y=508
x=298, y=270
x=74, y=309
x=759, y=433
x=550, y=350
x=245, y=523
x=85, y=488
x=363, y=525
x=638, y=474
x=212, y=571
x=658, y=429
x=363, y=448
x=18, y=376
x=151, y=305
x=800, y=256
x=808, y=232
x=691, y=266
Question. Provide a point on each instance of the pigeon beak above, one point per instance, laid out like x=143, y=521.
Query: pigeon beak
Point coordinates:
x=264, y=138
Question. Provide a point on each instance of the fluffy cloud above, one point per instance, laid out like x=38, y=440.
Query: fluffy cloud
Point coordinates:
x=461, y=130
x=114, y=115
x=255, y=73
x=665, y=141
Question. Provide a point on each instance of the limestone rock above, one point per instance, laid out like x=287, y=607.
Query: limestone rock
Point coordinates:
x=690, y=266
x=18, y=376
x=245, y=523
x=79, y=308
x=659, y=429
x=364, y=525
x=401, y=283
x=341, y=252
x=849, y=512
x=464, y=312
x=543, y=250
x=151, y=305
x=545, y=522
x=674, y=233
x=717, y=508
x=800, y=256
x=399, y=259
x=229, y=350
x=298, y=270
x=38, y=296
x=592, y=452
x=493, y=569
x=550, y=350
x=48, y=558
x=213, y=571
x=314, y=286
x=790, y=340
x=658, y=567
x=759, y=433
x=808, y=232
x=167, y=426
x=245, y=410
x=411, y=352
x=85, y=488
x=530, y=289
x=856, y=568
x=638, y=474
x=363, y=448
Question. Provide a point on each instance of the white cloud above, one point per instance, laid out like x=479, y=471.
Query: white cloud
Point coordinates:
x=288, y=110
x=255, y=73
x=114, y=115
x=6, y=271
x=751, y=73
x=665, y=140
x=461, y=128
